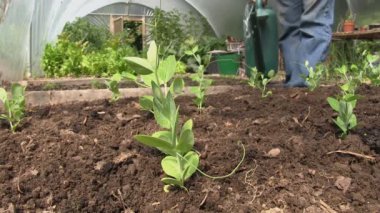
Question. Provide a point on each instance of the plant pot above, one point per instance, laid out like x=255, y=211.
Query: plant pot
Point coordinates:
x=348, y=26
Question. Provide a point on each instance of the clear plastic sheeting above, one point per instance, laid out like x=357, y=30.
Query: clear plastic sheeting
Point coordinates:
x=27, y=25
x=14, y=38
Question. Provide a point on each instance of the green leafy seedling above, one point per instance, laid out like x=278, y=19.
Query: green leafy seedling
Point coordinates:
x=372, y=70
x=345, y=106
x=160, y=72
x=113, y=86
x=199, y=77
x=181, y=162
x=313, y=80
x=201, y=89
x=14, y=106
x=260, y=81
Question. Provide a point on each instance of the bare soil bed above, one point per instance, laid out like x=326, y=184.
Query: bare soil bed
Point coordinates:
x=82, y=157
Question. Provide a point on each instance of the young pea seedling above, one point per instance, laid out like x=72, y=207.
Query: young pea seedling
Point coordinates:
x=14, y=106
x=346, y=103
x=177, y=142
x=260, y=81
x=199, y=77
x=313, y=80
x=345, y=106
x=113, y=86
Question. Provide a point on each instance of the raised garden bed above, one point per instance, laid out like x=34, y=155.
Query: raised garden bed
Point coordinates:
x=82, y=158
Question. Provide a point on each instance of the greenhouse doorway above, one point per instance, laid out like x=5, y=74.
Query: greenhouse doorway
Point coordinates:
x=133, y=29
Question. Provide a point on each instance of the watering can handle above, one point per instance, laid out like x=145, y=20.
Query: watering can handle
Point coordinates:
x=259, y=4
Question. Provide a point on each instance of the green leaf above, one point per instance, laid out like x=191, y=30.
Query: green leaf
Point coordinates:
x=188, y=125
x=157, y=92
x=177, y=86
x=195, y=49
x=195, y=90
x=189, y=52
x=161, y=118
x=334, y=103
x=353, y=121
x=146, y=102
x=116, y=77
x=148, y=79
x=157, y=143
x=129, y=76
x=152, y=55
x=164, y=135
x=167, y=68
x=140, y=65
x=271, y=74
x=3, y=95
x=346, y=86
x=340, y=123
x=186, y=141
x=171, y=167
x=192, y=162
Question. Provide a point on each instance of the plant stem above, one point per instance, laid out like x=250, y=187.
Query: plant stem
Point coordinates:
x=181, y=166
x=224, y=176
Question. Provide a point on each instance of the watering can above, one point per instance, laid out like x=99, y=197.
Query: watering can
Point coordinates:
x=260, y=37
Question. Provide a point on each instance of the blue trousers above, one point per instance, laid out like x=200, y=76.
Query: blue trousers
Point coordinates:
x=307, y=32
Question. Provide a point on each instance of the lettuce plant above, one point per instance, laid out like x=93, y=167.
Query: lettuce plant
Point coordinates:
x=14, y=106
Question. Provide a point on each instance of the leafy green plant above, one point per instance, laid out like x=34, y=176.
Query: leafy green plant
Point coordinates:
x=260, y=81
x=82, y=31
x=199, y=77
x=175, y=141
x=177, y=32
x=161, y=75
x=63, y=58
x=350, y=81
x=315, y=76
x=14, y=106
x=372, y=68
x=113, y=85
x=346, y=103
x=345, y=106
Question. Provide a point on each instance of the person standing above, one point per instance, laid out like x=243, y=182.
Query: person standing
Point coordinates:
x=306, y=35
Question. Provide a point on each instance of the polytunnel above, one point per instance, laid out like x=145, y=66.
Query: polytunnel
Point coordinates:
x=27, y=25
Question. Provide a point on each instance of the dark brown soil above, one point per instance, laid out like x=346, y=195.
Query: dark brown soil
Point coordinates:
x=82, y=158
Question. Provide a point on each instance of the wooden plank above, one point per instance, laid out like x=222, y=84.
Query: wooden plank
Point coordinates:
x=360, y=35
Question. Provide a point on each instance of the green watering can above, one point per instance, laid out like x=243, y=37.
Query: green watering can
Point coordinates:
x=261, y=38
